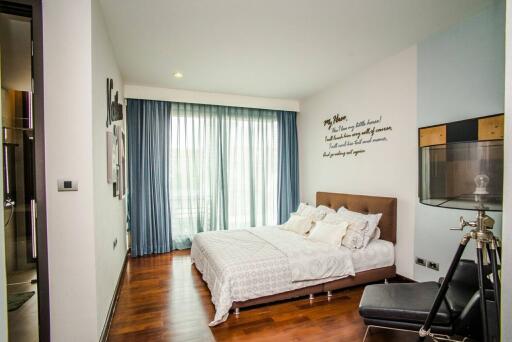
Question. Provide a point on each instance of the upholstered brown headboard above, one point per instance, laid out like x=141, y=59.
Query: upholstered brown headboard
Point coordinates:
x=365, y=205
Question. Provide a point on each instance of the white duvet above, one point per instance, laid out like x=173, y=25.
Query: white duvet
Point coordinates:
x=244, y=264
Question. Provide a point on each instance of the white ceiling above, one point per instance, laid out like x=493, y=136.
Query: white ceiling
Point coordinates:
x=270, y=48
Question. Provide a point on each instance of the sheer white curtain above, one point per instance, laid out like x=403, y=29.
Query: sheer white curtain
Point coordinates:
x=223, y=169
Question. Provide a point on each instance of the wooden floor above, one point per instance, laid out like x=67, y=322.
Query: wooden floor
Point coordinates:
x=163, y=298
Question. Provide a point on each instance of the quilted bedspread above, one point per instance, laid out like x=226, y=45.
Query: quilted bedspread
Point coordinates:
x=244, y=264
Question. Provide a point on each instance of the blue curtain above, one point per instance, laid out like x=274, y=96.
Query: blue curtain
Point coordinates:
x=212, y=167
x=148, y=127
x=288, y=166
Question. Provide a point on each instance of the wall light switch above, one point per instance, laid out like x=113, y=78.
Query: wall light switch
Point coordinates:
x=67, y=185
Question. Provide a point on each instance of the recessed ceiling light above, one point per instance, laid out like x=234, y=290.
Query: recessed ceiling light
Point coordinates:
x=178, y=74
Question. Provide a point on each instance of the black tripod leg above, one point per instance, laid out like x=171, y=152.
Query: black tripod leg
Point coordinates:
x=496, y=278
x=425, y=329
x=497, y=243
x=483, y=308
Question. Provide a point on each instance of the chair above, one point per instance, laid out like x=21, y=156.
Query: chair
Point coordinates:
x=406, y=306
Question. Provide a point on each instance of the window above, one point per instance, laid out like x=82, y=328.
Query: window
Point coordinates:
x=223, y=169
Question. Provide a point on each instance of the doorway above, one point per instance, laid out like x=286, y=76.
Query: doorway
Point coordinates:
x=23, y=196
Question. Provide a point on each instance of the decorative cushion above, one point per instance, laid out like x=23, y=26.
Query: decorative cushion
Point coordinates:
x=316, y=214
x=361, y=227
x=330, y=233
x=353, y=238
x=298, y=224
x=376, y=234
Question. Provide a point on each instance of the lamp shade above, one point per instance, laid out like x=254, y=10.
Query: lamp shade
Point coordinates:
x=462, y=175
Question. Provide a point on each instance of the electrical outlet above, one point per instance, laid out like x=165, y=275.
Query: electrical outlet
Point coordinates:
x=433, y=265
x=114, y=244
x=420, y=261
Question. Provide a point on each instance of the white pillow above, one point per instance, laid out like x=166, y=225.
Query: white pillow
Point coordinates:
x=376, y=234
x=361, y=227
x=354, y=238
x=325, y=210
x=330, y=233
x=334, y=218
x=316, y=214
x=298, y=224
x=373, y=219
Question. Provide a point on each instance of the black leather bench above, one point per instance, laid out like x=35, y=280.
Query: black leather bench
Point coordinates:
x=406, y=305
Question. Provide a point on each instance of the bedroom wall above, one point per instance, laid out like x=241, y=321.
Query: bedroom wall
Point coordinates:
x=460, y=76
x=109, y=211
x=83, y=265
x=68, y=149
x=387, y=168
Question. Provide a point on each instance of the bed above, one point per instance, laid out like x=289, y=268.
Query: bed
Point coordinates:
x=256, y=266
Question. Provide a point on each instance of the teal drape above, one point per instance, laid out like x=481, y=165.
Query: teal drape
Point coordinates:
x=148, y=133
x=288, y=196
x=224, y=168
x=196, y=168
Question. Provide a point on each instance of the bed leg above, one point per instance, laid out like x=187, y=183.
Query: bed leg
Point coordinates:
x=386, y=281
x=237, y=311
x=329, y=294
x=311, y=296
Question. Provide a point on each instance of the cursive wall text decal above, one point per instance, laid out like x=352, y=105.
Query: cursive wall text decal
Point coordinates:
x=346, y=138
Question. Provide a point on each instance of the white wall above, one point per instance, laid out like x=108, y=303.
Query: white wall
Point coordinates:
x=82, y=225
x=506, y=301
x=69, y=153
x=387, y=168
x=188, y=96
x=109, y=211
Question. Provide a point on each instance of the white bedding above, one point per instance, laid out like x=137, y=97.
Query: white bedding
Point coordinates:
x=244, y=264
x=308, y=260
x=377, y=254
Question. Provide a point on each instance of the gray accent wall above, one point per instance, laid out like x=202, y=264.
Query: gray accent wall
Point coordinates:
x=460, y=76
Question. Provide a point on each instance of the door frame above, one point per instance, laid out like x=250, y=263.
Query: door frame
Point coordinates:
x=23, y=7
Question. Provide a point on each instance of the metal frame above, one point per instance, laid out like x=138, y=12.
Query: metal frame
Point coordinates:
x=485, y=240
x=435, y=337
x=311, y=298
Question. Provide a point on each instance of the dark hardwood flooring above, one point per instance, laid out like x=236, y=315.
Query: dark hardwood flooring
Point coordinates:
x=163, y=298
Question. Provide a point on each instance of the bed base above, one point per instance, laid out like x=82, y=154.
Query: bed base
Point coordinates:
x=359, y=203
x=365, y=277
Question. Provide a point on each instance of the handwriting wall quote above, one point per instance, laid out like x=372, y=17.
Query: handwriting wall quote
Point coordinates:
x=346, y=138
